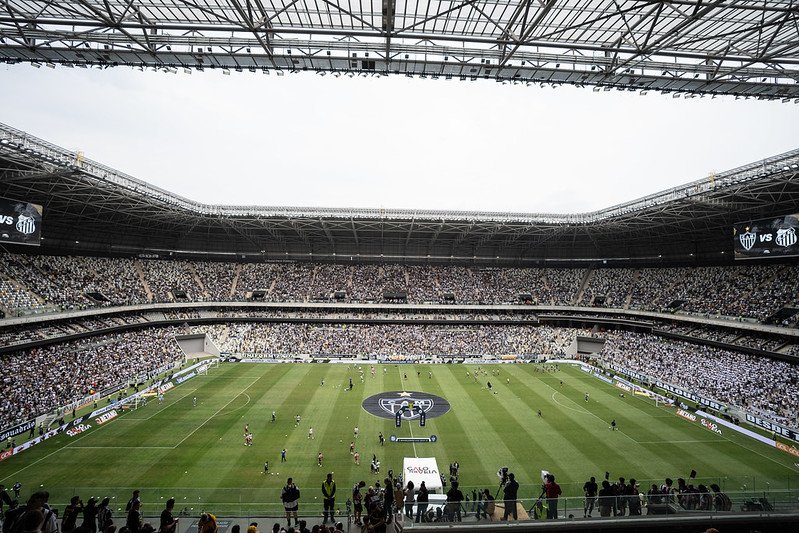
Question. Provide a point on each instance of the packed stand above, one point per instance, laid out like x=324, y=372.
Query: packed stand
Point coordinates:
x=329, y=279
x=731, y=377
x=40, y=380
x=256, y=276
x=610, y=284
x=164, y=277
x=217, y=280
x=382, y=341
x=752, y=292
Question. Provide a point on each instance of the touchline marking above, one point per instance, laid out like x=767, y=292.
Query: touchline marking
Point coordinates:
x=216, y=413
x=123, y=447
x=675, y=441
x=48, y=455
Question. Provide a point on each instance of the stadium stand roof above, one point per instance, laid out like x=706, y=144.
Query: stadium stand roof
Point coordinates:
x=91, y=208
x=694, y=47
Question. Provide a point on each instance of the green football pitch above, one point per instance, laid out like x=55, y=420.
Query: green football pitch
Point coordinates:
x=197, y=453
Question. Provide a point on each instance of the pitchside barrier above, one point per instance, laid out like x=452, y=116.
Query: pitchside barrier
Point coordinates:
x=265, y=503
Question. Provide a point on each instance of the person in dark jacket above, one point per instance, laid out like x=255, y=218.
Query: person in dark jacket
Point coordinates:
x=134, y=521
x=90, y=515
x=421, y=503
x=510, y=494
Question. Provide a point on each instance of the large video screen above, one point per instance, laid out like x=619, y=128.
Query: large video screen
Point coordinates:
x=20, y=222
x=768, y=237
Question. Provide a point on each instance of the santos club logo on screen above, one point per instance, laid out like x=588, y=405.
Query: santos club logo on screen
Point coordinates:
x=26, y=225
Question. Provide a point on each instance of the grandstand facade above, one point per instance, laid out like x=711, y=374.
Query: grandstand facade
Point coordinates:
x=90, y=208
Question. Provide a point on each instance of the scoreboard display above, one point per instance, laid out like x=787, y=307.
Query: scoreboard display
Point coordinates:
x=20, y=222
x=768, y=237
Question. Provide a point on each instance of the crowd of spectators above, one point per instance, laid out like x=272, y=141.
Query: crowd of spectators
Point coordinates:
x=41, y=380
x=730, y=377
x=750, y=291
x=387, y=340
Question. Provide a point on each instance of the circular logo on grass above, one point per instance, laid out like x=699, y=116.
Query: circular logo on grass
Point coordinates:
x=410, y=403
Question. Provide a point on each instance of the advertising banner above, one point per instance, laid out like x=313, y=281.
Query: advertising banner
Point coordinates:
x=17, y=430
x=418, y=469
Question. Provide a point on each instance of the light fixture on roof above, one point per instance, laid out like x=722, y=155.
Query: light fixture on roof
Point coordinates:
x=226, y=72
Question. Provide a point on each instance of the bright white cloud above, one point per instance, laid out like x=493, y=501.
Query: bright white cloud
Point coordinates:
x=309, y=140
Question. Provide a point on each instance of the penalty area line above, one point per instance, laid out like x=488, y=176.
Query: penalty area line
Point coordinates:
x=217, y=412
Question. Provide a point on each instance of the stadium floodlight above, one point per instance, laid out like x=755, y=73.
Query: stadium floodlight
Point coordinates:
x=226, y=72
x=36, y=65
x=186, y=70
x=49, y=65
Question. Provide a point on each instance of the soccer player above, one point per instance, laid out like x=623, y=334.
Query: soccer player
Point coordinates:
x=274, y=416
x=352, y=447
x=266, y=467
x=357, y=457
x=586, y=397
x=613, y=425
x=356, y=431
x=246, y=428
x=283, y=455
x=297, y=421
x=381, y=438
x=310, y=432
x=320, y=458
x=194, y=402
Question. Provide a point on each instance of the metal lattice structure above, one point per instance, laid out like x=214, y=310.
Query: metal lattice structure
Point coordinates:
x=695, y=47
x=91, y=208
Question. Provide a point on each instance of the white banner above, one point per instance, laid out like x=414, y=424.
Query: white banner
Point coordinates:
x=418, y=469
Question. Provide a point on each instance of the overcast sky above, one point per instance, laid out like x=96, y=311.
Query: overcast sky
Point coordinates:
x=308, y=140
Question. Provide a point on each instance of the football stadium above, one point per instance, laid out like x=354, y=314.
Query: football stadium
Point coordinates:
x=180, y=366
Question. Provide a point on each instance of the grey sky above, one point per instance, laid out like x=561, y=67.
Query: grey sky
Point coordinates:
x=308, y=140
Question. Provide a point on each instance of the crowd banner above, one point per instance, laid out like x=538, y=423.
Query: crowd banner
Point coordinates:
x=766, y=424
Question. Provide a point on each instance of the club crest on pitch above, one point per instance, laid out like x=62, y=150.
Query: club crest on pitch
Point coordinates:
x=409, y=403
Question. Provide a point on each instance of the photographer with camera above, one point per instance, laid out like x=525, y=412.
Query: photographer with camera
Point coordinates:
x=71, y=512
x=509, y=495
x=552, y=491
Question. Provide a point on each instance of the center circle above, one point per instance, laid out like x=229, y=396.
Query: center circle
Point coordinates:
x=410, y=403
